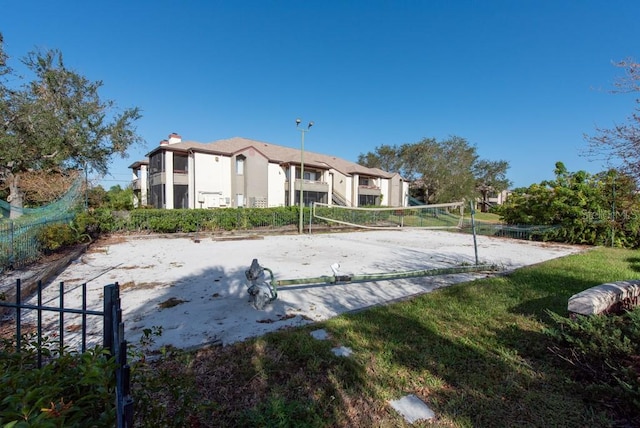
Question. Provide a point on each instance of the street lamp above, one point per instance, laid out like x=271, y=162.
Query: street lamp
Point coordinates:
x=302, y=132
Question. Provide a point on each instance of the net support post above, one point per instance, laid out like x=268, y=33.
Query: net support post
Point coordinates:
x=473, y=230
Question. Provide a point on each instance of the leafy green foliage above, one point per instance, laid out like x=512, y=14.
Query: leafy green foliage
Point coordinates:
x=58, y=121
x=190, y=220
x=605, y=350
x=85, y=224
x=116, y=198
x=182, y=403
x=70, y=390
x=441, y=171
x=596, y=209
x=55, y=236
x=81, y=230
x=491, y=177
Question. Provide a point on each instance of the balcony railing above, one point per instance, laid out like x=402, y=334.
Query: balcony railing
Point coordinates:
x=311, y=185
x=369, y=190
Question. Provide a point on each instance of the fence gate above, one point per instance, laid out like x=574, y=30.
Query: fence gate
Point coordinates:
x=113, y=336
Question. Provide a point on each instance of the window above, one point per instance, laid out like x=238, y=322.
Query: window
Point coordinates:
x=310, y=197
x=309, y=175
x=180, y=163
x=180, y=196
x=240, y=165
x=156, y=163
x=158, y=196
x=367, y=200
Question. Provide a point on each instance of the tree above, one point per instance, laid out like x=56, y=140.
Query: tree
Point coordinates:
x=491, y=177
x=622, y=142
x=97, y=197
x=58, y=122
x=385, y=158
x=41, y=187
x=440, y=171
x=120, y=199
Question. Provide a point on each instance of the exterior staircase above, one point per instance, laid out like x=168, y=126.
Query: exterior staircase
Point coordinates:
x=338, y=199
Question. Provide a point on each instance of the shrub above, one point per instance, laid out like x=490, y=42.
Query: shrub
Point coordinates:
x=71, y=390
x=600, y=209
x=87, y=223
x=54, y=236
x=605, y=349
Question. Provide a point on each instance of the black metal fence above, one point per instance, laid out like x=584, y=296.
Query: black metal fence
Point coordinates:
x=113, y=336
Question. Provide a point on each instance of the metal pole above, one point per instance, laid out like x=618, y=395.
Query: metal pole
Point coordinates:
x=86, y=187
x=301, y=181
x=301, y=197
x=613, y=212
x=334, y=279
x=473, y=229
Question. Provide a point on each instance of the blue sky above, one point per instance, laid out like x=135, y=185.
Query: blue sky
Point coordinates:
x=522, y=80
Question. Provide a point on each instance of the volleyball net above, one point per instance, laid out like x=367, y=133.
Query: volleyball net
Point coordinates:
x=436, y=216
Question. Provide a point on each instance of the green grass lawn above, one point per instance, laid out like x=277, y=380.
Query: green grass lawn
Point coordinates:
x=475, y=352
x=482, y=217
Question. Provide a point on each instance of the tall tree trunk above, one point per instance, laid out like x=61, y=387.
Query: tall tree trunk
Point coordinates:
x=16, y=196
x=485, y=201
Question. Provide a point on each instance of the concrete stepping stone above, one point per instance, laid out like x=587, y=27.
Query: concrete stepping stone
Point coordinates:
x=320, y=334
x=412, y=408
x=342, y=351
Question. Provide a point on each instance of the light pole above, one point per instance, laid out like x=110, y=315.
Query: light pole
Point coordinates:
x=302, y=132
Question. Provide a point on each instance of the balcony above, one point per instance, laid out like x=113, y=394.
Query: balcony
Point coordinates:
x=369, y=190
x=135, y=184
x=312, y=186
x=180, y=176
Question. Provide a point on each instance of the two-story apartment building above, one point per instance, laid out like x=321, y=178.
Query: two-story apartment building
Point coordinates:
x=239, y=172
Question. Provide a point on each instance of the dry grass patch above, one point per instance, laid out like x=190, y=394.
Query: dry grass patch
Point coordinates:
x=140, y=286
x=73, y=328
x=136, y=267
x=171, y=302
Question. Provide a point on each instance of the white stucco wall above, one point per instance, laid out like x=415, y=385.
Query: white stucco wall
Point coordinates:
x=348, y=190
x=341, y=184
x=168, y=168
x=405, y=193
x=385, y=191
x=212, y=180
x=276, y=179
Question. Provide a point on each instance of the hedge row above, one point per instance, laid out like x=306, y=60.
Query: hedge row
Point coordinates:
x=192, y=220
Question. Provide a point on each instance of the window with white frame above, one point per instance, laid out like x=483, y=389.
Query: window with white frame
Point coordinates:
x=240, y=165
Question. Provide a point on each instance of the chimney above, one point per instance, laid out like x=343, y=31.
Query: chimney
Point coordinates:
x=174, y=138
x=164, y=143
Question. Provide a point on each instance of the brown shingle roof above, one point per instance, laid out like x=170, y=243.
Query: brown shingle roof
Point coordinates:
x=278, y=154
